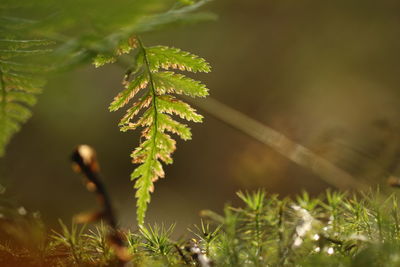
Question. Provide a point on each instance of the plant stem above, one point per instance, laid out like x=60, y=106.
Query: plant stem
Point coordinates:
x=297, y=153
x=155, y=113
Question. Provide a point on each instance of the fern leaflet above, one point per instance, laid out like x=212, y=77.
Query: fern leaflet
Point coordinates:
x=150, y=77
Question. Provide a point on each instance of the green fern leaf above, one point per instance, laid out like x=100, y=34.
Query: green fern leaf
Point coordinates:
x=132, y=88
x=123, y=48
x=173, y=58
x=172, y=126
x=144, y=102
x=20, y=81
x=169, y=82
x=17, y=96
x=157, y=106
x=170, y=105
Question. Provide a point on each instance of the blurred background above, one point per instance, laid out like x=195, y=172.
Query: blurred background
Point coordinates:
x=325, y=74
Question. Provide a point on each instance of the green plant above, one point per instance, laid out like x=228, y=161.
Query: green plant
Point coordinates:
x=72, y=240
x=158, y=104
x=98, y=243
x=37, y=38
x=286, y=233
x=20, y=78
x=111, y=35
x=157, y=241
x=206, y=236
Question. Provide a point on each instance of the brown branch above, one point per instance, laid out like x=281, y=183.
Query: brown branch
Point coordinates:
x=85, y=162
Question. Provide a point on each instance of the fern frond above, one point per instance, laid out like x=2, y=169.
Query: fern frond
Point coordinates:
x=20, y=81
x=157, y=106
x=15, y=101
